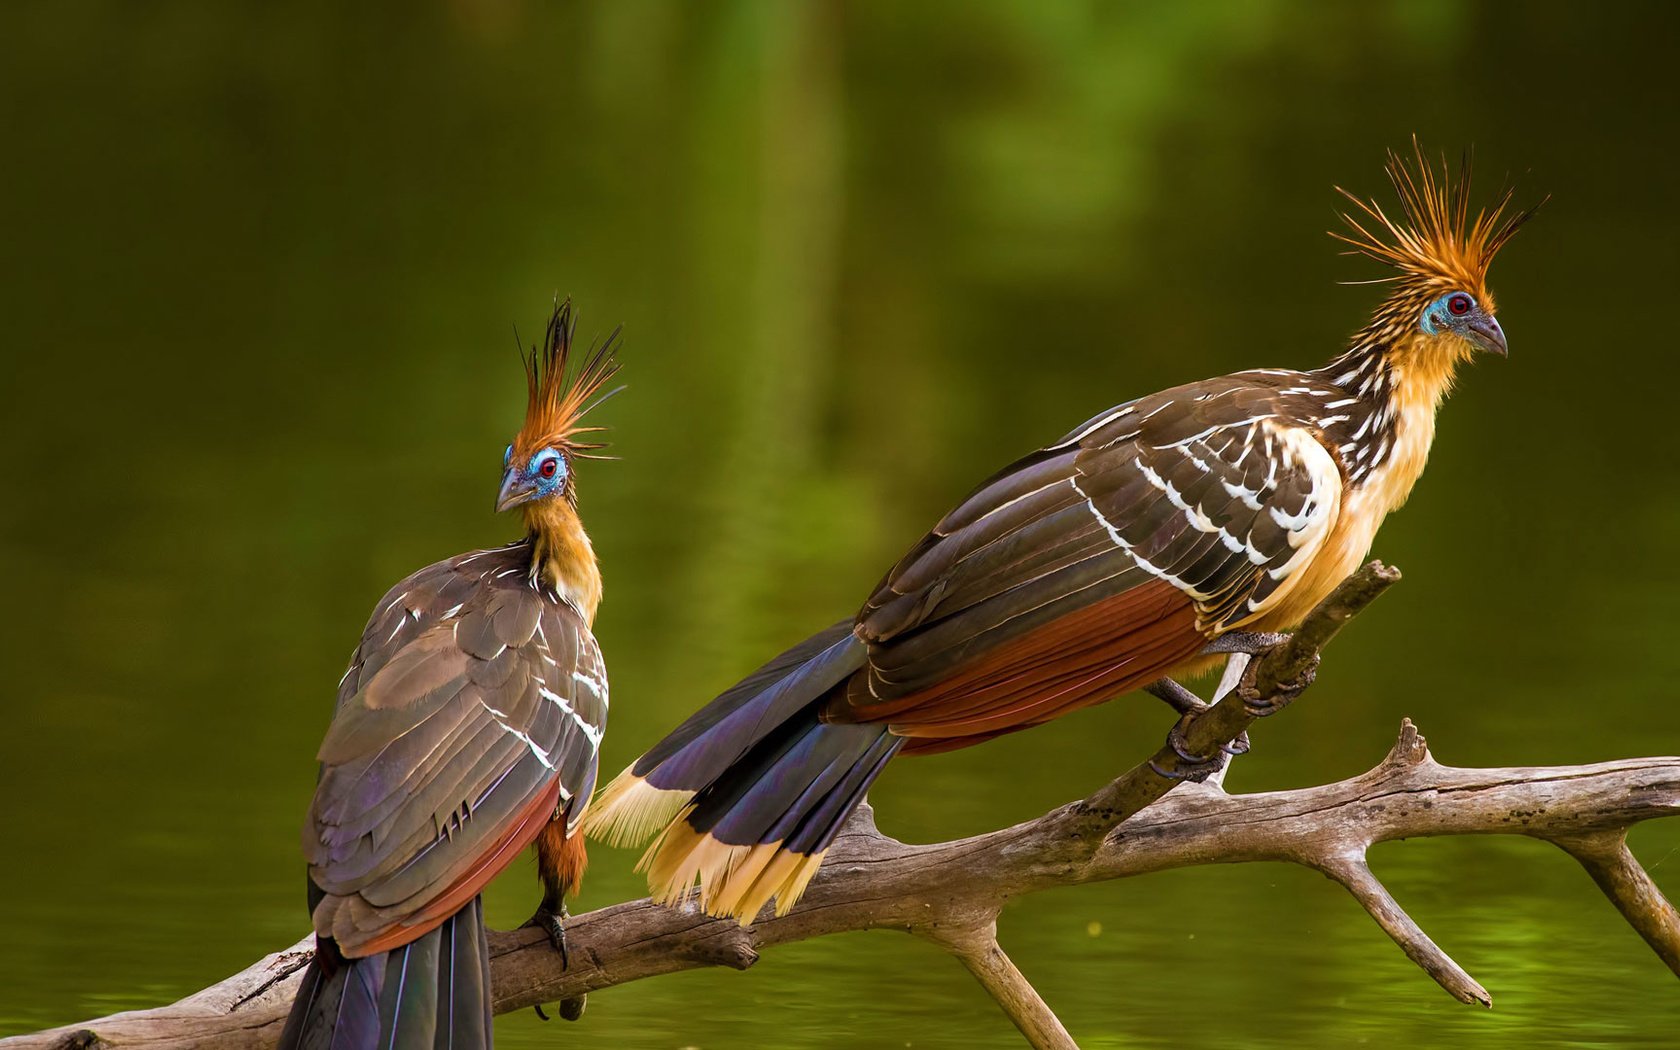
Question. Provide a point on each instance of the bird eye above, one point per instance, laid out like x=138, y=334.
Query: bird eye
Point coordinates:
x=1459, y=305
x=549, y=467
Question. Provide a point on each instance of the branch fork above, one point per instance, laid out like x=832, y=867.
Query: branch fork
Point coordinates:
x=950, y=893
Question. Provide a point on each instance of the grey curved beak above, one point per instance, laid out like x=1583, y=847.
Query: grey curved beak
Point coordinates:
x=515, y=490
x=1486, y=334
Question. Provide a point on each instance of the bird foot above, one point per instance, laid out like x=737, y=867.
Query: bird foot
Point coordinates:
x=1285, y=694
x=1175, y=696
x=1191, y=766
x=552, y=921
x=570, y=1009
x=1188, y=705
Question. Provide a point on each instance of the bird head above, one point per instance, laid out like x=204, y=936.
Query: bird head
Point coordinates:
x=537, y=464
x=1461, y=316
x=539, y=477
x=1440, y=303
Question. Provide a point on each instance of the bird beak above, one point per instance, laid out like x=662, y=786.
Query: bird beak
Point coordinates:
x=1487, y=335
x=515, y=490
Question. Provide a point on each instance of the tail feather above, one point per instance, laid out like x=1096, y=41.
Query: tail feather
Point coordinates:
x=745, y=796
x=464, y=1004
x=721, y=733
x=761, y=830
x=795, y=845
x=433, y=992
x=817, y=830
x=657, y=787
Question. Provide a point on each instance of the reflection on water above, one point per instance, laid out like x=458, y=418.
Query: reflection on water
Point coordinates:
x=258, y=346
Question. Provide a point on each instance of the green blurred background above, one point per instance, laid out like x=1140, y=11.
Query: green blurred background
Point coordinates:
x=262, y=270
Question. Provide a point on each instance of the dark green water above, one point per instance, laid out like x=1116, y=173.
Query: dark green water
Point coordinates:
x=261, y=272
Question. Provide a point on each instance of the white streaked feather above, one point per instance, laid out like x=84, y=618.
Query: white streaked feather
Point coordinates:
x=1101, y=422
x=1121, y=542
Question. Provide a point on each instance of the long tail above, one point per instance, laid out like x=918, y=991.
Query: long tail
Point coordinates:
x=433, y=992
x=747, y=794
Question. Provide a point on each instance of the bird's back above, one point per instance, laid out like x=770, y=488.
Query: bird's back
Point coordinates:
x=1103, y=560
x=472, y=713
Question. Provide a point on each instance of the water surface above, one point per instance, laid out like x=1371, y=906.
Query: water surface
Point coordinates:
x=265, y=265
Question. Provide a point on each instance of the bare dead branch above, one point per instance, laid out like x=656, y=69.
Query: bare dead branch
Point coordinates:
x=1269, y=682
x=1623, y=879
x=979, y=951
x=873, y=882
x=1355, y=876
x=951, y=892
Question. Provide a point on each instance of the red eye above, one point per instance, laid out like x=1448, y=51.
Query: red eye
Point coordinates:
x=549, y=467
x=1459, y=305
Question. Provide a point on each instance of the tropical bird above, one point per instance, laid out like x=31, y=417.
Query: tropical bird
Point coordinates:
x=466, y=729
x=1125, y=555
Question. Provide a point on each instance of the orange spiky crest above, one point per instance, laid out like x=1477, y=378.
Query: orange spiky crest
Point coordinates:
x=557, y=398
x=1438, y=247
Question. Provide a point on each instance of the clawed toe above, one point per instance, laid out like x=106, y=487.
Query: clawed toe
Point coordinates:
x=570, y=1009
x=1189, y=765
x=1282, y=697
x=553, y=923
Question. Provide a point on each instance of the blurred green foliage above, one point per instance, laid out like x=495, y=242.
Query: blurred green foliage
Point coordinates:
x=262, y=267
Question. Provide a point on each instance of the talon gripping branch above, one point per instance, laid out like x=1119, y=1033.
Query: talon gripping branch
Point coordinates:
x=1100, y=564
x=467, y=728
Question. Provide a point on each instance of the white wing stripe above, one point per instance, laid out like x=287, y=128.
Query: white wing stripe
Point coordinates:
x=1245, y=494
x=536, y=748
x=1093, y=428
x=1198, y=520
x=583, y=725
x=1120, y=541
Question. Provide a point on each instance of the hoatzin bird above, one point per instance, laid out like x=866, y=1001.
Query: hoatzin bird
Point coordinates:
x=1107, y=561
x=467, y=728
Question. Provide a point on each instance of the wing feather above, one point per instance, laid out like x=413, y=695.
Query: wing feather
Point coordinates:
x=1112, y=555
x=476, y=699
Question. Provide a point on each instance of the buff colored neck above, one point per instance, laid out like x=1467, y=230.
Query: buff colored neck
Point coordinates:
x=1421, y=372
x=562, y=554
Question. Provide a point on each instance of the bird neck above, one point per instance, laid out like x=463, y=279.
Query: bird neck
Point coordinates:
x=561, y=554
x=1400, y=380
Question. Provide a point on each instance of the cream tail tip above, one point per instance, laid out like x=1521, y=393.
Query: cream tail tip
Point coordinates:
x=628, y=811
x=735, y=881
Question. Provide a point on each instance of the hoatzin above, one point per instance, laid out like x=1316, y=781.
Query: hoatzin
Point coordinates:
x=467, y=728
x=1107, y=561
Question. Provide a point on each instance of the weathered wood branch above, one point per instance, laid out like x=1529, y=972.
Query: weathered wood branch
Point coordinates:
x=1270, y=683
x=978, y=950
x=951, y=892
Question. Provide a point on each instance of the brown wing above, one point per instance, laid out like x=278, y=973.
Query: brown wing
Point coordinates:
x=1097, y=564
x=471, y=715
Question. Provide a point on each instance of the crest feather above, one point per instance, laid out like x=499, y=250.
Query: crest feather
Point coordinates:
x=1438, y=241
x=558, y=396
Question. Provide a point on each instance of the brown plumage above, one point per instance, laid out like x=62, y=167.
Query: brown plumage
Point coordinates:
x=1100, y=563
x=467, y=728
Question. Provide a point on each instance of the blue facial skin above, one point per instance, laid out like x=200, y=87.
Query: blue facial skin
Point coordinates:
x=1469, y=322
x=546, y=486
x=1439, y=317
x=542, y=477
